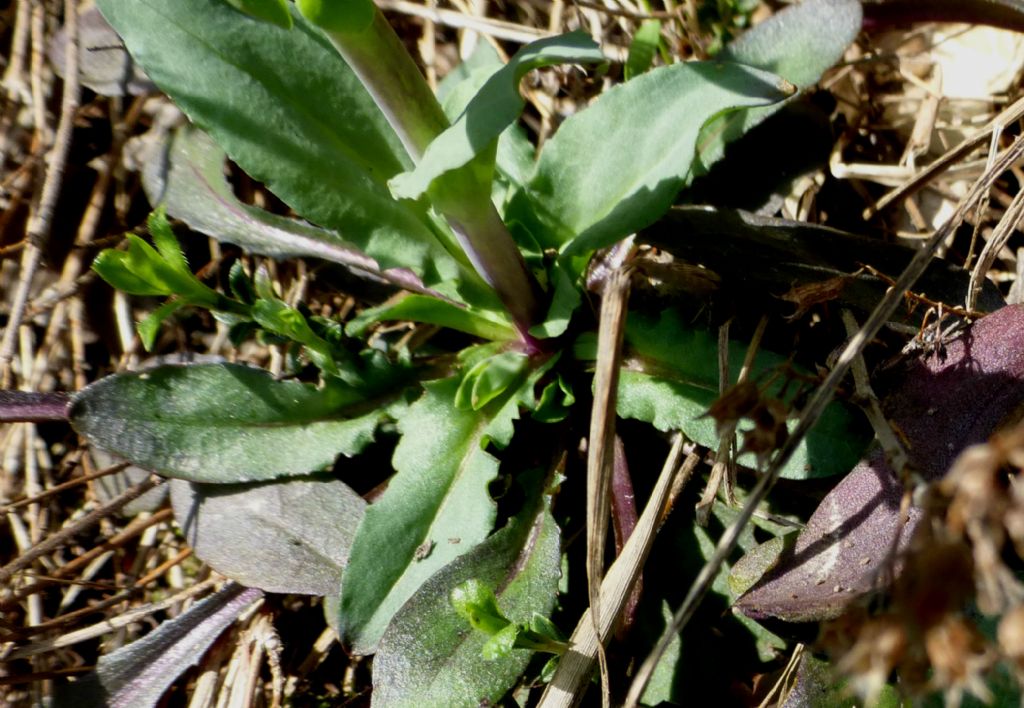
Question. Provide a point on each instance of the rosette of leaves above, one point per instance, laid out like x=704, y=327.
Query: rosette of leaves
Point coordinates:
x=321, y=103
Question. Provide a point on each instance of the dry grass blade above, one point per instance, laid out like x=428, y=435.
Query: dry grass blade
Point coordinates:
x=1008, y=116
x=601, y=444
x=869, y=403
x=996, y=242
x=576, y=666
x=816, y=405
x=498, y=29
x=41, y=221
x=66, y=533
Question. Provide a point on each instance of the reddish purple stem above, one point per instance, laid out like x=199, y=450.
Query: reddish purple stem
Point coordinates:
x=624, y=518
x=27, y=407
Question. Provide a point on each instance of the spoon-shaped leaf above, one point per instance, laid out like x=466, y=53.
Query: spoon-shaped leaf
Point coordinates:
x=222, y=422
x=185, y=173
x=435, y=508
x=286, y=107
x=944, y=401
x=799, y=43
x=616, y=166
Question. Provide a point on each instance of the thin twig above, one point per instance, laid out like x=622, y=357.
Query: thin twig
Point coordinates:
x=133, y=529
x=576, y=666
x=1007, y=116
x=601, y=443
x=108, y=625
x=68, y=532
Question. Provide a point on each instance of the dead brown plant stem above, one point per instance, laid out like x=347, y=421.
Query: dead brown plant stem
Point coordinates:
x=65, y=534
x=1006, y=227
x=1008, y=116
x=601, y=442
x=41, y=221
x=893, y=448
x=62, y=487
x=821, y=397
x=576, y=667
x=133, y=529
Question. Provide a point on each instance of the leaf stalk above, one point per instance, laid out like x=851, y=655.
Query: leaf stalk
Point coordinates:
x=391, y=77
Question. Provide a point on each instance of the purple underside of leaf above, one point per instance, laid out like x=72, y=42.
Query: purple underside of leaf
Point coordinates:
x=137, y=675
x=1008, y=14
x=942, y=403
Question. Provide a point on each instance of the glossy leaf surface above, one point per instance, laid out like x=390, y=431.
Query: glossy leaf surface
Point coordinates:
x=287, y=109
x=185, y=173
x=799, y=43
x=494, y=108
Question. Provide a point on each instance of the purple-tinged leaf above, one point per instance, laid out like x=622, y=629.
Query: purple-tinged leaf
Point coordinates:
x=943, y=402
x=1008, y=14
x=288, y=536
x=137, y=675
x=185, y=173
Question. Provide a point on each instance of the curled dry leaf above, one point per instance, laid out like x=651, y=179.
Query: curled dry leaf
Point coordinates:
x=942, y=403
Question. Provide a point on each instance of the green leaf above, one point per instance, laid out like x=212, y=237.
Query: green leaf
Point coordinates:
x=515, y=154
x=284, y=536
x=339, y=15
x=758, y=561
x=113, y=266
x=662, y=685
x=272, y=11
x=616, y=166
x=429, y=657
x=476, y=602
x=291, y=113
x=495, y=107
x=222, y=422
x=564, y=302
x=417, y=308
x=489, y=378
x=149, y=327
x=799, y=43
x=642, y=48
x=678, y=381
x=436, y=507
x=166, y=242
x=277, y=317
x=501, y=643
x=555, y=401
x=187, y=177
